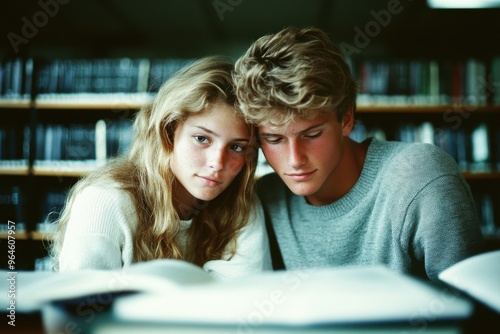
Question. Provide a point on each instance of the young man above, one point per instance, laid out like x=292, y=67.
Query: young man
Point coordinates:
x=334, y=201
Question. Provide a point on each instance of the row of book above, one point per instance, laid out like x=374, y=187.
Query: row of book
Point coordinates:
x=22, y=78
x=13, y=205
x=488, y=209
x=428, y=82
x=475, y=148
x=470, y=81
x=80, y=147
x=65, y=142
x=83, y=141
x=14, y=142
x=16, y=79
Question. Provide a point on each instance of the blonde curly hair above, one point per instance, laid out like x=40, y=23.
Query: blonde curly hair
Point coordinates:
x=144, y=172
x=297, y=72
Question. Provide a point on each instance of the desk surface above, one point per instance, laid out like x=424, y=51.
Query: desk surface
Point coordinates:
x=484, y=321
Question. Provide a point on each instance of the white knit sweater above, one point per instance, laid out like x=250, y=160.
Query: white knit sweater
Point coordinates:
x=101, y=228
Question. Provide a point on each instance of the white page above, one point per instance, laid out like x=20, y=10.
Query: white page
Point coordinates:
x=334, y=295
x=478, y=276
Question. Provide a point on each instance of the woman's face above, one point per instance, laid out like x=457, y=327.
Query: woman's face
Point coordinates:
x=209, y=151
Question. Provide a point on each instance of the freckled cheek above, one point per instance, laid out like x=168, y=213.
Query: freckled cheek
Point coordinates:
x=274, y=156
x=317, y=151
x=194, y=157
x=234, y=165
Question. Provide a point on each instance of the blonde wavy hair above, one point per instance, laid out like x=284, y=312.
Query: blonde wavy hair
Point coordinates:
x=297, y=72
x=144, y=172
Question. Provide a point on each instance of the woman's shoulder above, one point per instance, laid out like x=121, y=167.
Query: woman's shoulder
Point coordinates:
x=101, y=206
x=103, y=197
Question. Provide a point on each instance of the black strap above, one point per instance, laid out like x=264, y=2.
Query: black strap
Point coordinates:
x=277, y=258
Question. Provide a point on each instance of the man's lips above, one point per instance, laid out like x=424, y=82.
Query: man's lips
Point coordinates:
x=302, y=176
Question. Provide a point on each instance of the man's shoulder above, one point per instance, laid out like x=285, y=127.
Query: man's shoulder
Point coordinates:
x=426, y=154
x=419, y=159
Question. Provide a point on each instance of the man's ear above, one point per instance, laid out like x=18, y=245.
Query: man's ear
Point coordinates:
x=348, y=122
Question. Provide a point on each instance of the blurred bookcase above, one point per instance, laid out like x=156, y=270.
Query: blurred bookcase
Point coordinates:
x=61, y=118
x=451, y=103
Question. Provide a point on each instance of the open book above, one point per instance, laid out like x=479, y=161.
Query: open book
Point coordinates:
x=301, y=298
x=32, y=289
x=477, y=276
x=176, y=291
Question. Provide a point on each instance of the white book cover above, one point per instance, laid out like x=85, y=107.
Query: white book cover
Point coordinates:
x=478, y=276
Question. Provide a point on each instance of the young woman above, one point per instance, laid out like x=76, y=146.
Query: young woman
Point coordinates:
x=183, y=191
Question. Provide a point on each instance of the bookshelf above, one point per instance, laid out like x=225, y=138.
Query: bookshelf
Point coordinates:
x=452, y=102
x=426, y=124
x=60, y=118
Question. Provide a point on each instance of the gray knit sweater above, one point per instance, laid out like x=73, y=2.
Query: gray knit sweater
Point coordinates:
x=410, y=209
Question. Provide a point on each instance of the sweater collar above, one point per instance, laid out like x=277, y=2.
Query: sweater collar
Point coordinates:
x=362, y=188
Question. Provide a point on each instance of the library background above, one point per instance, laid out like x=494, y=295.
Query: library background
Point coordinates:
x=74, y=73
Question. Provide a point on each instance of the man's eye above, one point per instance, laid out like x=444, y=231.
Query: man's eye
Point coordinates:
x=272, y=140
x=314, y=135
x=201, y=139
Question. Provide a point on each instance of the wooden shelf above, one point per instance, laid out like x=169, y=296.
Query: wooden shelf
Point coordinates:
x=136, y=101
x=118, y=101
x=15, y=104
x=17, y=235
x=35, y=235
x=14, y=171
x=61, y=172
x=47, y=236
x=427, y=109
x=66, y=168
x=78, y=172
x=28, y=235
x=97, y=106
x=482, y=176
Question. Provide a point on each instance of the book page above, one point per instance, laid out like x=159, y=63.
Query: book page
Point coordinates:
x=311, y=297
x=478, y=276
x=176, y=271
x=33, y=288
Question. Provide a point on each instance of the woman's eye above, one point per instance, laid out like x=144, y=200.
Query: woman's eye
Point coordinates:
x=237, y=148
x=201, y=139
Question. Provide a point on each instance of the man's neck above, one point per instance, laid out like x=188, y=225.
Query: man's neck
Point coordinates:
x=345, y=176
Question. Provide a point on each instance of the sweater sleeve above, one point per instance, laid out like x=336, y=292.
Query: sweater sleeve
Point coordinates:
x=99, y=231
x=252, y=252
x=445, y=226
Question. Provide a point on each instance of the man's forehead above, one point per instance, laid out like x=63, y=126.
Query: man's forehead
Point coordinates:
x=293, y=125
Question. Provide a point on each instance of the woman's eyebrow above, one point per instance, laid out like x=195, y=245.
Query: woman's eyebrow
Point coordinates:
x=217, y=135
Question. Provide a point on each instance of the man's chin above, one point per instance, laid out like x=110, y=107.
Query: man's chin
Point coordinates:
x=301, y=189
